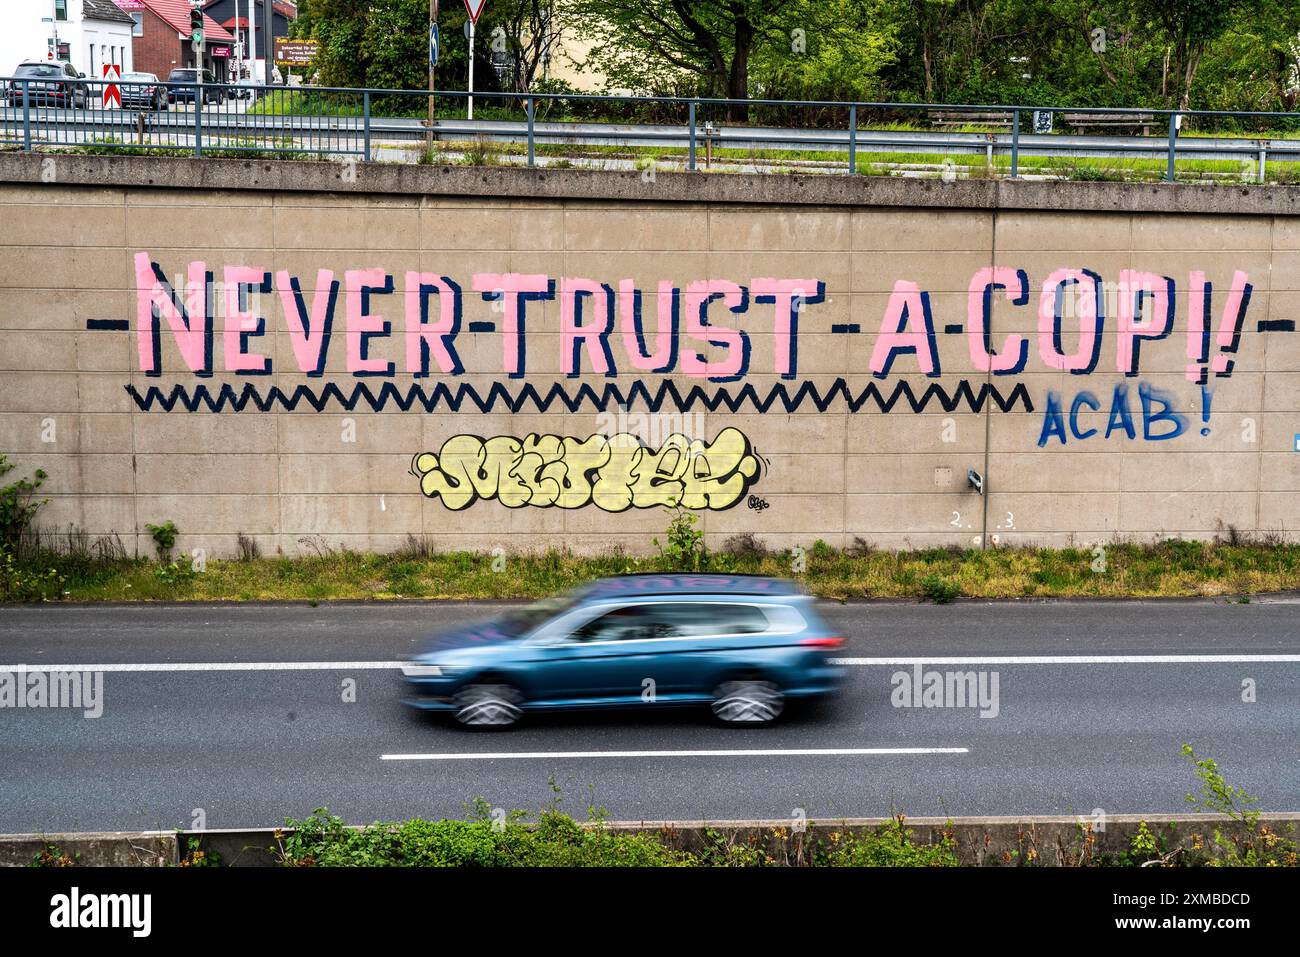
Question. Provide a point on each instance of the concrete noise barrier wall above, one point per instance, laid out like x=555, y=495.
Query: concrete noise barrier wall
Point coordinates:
x=521, y=359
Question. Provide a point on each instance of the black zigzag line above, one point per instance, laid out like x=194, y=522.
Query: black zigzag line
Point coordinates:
x=464, y=395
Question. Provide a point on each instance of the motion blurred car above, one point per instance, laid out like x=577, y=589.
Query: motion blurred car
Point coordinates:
x=743, y=645
x=53, y=83
x=182, y=87
x=143, y=91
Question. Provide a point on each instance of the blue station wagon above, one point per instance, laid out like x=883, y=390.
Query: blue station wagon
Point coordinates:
x=743, y=645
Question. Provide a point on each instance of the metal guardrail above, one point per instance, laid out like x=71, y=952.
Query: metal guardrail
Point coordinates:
x=301, y=121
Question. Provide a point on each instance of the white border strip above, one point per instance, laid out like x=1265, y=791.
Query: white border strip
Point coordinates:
x=737, y=753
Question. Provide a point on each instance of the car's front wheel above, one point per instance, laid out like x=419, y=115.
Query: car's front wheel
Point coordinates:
x=489, y=706
x=748, y=701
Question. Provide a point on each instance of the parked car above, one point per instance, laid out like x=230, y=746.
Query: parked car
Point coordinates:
x=182, y=87
x=53, y=83
x=742, y=645
x=143, y=91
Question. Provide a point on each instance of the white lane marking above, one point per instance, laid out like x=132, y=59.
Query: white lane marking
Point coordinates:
x=1073, y=660
x=742, y=753
x=217, y=666
x=929, y=660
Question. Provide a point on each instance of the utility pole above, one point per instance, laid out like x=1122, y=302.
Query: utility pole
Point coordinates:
x=241, y=38
x=252, y=42
x=268, y=22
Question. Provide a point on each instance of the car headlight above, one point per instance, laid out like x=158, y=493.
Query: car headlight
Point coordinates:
x=422, y=671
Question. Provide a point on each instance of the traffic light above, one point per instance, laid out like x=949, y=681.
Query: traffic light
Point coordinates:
x=196, y=25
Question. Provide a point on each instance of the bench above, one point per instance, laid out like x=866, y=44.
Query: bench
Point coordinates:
x=1001, y=118
x=1130, y=122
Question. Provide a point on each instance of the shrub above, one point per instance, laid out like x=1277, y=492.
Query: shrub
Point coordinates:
x=684, y=543
x=19, y=582
x=18, y=506
x=938, y=589
x=164, y=539
x=556, y=840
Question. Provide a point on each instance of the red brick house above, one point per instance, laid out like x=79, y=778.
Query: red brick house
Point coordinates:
x=164, y=41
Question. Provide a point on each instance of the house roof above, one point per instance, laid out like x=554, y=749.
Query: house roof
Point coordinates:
x=177, y=15
x=104, y=10
x=286, y=10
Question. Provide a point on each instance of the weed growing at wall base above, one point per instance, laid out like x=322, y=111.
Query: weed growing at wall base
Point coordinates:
x=326, y=570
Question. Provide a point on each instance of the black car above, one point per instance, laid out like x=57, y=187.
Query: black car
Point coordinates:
x=182, y=87
x=51, y=82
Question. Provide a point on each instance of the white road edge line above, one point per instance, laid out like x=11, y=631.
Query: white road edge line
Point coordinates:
x=932, y=660
x=742, y=753
x=218, y=666
x=1073, y=660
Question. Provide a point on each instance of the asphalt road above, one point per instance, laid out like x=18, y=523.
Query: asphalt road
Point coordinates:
x=238, y=710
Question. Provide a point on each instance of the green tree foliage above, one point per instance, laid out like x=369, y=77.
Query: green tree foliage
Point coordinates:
x=1186, y=54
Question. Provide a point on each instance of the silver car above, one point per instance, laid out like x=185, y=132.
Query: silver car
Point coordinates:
x=143, y=91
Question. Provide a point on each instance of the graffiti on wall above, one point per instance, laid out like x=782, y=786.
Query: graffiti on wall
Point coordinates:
x=400, y=342
x=613, y=473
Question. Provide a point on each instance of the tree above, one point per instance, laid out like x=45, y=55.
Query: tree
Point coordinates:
x=1191, y=26
x=647, y=44
x=828, y=50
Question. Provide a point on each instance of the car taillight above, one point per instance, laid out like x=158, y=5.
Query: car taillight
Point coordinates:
x=834, y=642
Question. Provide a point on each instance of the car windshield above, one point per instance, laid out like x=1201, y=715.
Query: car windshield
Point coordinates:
x=182, y=75
x=532, y=616
x=39, y=69
x=141, y=77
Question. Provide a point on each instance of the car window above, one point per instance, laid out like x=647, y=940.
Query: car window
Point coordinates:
x=39, y=69
x=141, y=77
x=533, y=616
x=697, y=619
x=628, y=623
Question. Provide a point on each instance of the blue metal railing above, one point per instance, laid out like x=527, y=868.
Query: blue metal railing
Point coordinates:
x=243, y=119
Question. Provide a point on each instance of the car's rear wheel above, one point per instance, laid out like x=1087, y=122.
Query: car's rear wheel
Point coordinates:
x=489, y=706
x=748, y=701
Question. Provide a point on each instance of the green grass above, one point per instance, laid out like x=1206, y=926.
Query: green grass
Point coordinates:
x=1172, y=568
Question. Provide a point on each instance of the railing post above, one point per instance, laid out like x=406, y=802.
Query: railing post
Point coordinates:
x=1263, y=160
x=198, y=120
x=532, y=111
x=853, y=139
x=365, y=114
x=1173, y=145
x=1015, y=144
x=690, y=164
x=27, y=116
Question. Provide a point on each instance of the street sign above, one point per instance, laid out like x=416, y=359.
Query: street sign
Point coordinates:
x=112, y=92
x=434, y=39
x=474, y=8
